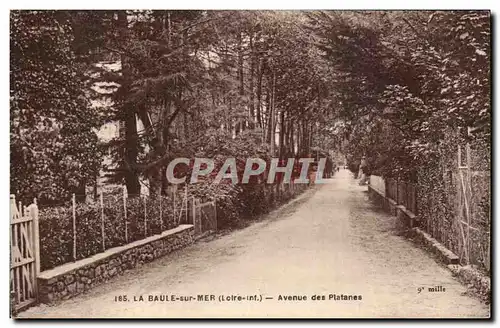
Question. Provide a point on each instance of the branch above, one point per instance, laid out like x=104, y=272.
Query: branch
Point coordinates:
x=415, y=31
x=197, y=23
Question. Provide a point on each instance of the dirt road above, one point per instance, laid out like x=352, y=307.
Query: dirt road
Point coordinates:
x=329, y=241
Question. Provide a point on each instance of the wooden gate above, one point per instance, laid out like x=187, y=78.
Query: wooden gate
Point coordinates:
x=204, y=217
x=25, y=253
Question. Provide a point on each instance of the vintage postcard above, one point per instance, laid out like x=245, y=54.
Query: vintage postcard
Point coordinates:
x=250, y=164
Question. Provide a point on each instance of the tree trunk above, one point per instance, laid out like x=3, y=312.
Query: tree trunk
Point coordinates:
x=259, y=94
x=291, y=145
x=131, y=137
x=240, y=126
x=272, y=114
x=131, y=152
x=81, y=192
x=252, y=73
x=282, y=135
x=268, y=111
x=304, y=139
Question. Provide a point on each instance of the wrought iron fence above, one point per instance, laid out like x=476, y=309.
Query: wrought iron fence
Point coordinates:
x=403, y=193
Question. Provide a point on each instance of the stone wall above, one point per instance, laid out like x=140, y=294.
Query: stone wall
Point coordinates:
x=71, y=279
x=376, y=196
x=406, y=217
x=385, y=202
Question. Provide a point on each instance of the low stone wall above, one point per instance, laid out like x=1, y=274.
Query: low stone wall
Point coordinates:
x=407, y=218
x=423, y=238
x=391, y=206
x=71, y=279
x=376, y=196
x=387, y=204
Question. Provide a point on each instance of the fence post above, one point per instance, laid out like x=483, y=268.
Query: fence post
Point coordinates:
x=12, y=206
x=186, y=198
x=194, y=214
x=145, y=219
x=215, y=211
x=36, y=242
x=161, y=216
x=175, y=207
x=20, y=208
x=74, y=226
x=125, y=213
x=397, y=191
x=387, y=187
x=404, y=197
x=102, y=223
x=415, y=198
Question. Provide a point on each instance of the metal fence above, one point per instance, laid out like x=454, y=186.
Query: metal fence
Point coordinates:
x=402, y=192
x=204, y=217
x=78, y=230
x=407, y=195
x=391, y=190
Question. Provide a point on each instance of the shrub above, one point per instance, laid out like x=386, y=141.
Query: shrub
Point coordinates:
x=56, y=236
x=56, y=227
x=159, y=215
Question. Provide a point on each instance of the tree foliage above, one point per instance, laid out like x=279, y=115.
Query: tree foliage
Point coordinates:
x=54, y=149
x=417, y=75
x=383, y=84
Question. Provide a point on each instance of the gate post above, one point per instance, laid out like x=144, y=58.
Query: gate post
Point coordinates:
x=193, y=216
x=215, y=214
x=36, y=244
x=397, y=191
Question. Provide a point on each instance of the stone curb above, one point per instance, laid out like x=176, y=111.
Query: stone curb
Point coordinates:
x=447, y=256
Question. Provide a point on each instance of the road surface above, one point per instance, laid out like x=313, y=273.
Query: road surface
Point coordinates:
x=330, y=241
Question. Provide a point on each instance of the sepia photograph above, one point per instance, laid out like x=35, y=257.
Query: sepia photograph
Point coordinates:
x=244, y=164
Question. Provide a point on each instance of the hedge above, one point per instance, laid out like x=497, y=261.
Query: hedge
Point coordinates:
x=56, y=227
